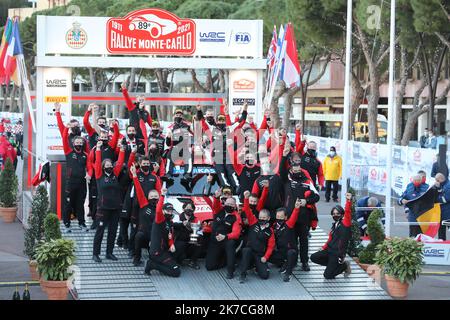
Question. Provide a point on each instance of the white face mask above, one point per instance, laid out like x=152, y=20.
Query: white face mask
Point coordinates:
x=332, y=153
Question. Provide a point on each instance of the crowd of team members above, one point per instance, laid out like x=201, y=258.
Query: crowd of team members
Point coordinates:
x=276, y=181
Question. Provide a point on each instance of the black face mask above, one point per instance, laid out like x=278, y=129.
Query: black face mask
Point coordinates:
x=249, y=163
x=262, y=222
x=153, y=202
x=168, y=216
x=105, y=142
x=189, y=212
x=312, y=152
x=155, y=132
x=131, y=136
x=222, y=126
x=76, y=131
x=210, y=120
x=78, y=148
x=178, y=119
x=108, y=170
x=336, y=218
x=145, y=169
x=280, y=221
x=252, y=206
x=228, y=209
x=103, y=126
x=153, y=150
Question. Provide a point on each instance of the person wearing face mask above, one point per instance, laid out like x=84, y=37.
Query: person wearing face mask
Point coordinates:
x=144, y=217
x=107, y=152
x=77, y=168
x=131, y=140
x=332, y=169
x=178, y=140
x=74, y=129
x=274, y=185
x=442, y=190
x=226, y=229
x=312, y=164
x=108, y=202
x=414, y=189
x=423, y=139
x=162, y=246
x=182, y=234
x=333, y=252
x=285, y=254
x=298, y=185
x=138, y=114
x=247, y=171
x=158, y=162
x=156, y=137
x=260, y=242
x=93, y=133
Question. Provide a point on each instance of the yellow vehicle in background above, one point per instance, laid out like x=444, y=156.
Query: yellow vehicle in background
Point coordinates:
x=361, y=130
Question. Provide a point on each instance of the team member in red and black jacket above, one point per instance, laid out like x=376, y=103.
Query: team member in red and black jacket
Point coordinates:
x=74, y=129
x=333, y=252
x=91, y=131
x=162, y=244
x=107, y=152
x=76, y=169
x=158, y=162
x=108, y=202
x=138, y=115
x=298, y=185
x=157, y=137
x=144, y=218
x=226, y=229
x=274, y=198
x=260, y=243
x=182, y=236
x=285, y=253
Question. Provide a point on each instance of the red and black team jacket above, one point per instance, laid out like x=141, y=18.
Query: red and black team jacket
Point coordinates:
x=108, y=186
x=340, y=234
x=274, y=197
x=285, y=238
x=93, y=135
x=146, y=214
x=69, y=137
x=227, y=224
x=162, y=231
x=311, y=164
x=261, y=241
x=76, y=162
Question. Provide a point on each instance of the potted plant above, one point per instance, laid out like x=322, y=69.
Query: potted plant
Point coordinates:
x=375, y=231
x=51, y=227
x=401, y=261
x=35, y=231
x=8, y=193
x=54, y=259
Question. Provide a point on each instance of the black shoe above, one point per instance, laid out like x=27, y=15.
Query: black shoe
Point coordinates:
x=286, y=277
x=193, y=264
x=94, y=225
x=230, y=275
x=67, y=229
x=305, y=267
x=136, y=262
x=130, y=254
x=327, y=200
x=119, y=244
x=96, y=258
x=111, y=257
x=148, y=267
x=83, y=226
x=242, y=278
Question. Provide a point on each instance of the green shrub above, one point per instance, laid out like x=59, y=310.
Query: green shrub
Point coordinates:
x=35, y=231
x=8, y=186
x=354, y=244
x=400, y=258
x=375, y=231
x=54, y=259
x=51, y=227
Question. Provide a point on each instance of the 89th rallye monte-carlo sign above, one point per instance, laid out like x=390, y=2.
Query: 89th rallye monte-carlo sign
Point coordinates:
x=151, y=31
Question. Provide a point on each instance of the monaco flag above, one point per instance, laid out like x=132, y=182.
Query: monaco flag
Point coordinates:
x=291, y=71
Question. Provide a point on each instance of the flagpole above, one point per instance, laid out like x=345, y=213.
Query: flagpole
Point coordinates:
x=390, y=121
x=346, y=120
x=26, y=87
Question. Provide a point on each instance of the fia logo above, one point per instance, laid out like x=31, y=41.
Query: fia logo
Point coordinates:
x=242, y=38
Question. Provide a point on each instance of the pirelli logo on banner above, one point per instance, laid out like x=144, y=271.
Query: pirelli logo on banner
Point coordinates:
x=53, y=99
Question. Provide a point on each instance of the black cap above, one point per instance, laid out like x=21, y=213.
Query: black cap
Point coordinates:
x=168, y=206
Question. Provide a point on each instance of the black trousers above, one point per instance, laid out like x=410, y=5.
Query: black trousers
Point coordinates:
x=301, y=232
x=105, y=218
x=330, y=261
x=250, y=259
x=92, y=198
x=227, y=176
x=186, y=250
x=328, y=185
x=414, y=231
x=164, y=263
x=141, y=241
x=284, y=257
x=125, y=215
x=132, y=240
x=216, y=253
x=75, y=197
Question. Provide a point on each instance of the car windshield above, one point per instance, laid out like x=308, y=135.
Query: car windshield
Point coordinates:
x=196, y=185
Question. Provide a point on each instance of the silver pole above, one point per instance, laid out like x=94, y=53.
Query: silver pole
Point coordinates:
x=346, y=124
x=390, y=120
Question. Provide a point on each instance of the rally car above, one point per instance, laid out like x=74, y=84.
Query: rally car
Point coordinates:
x=155, y=26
